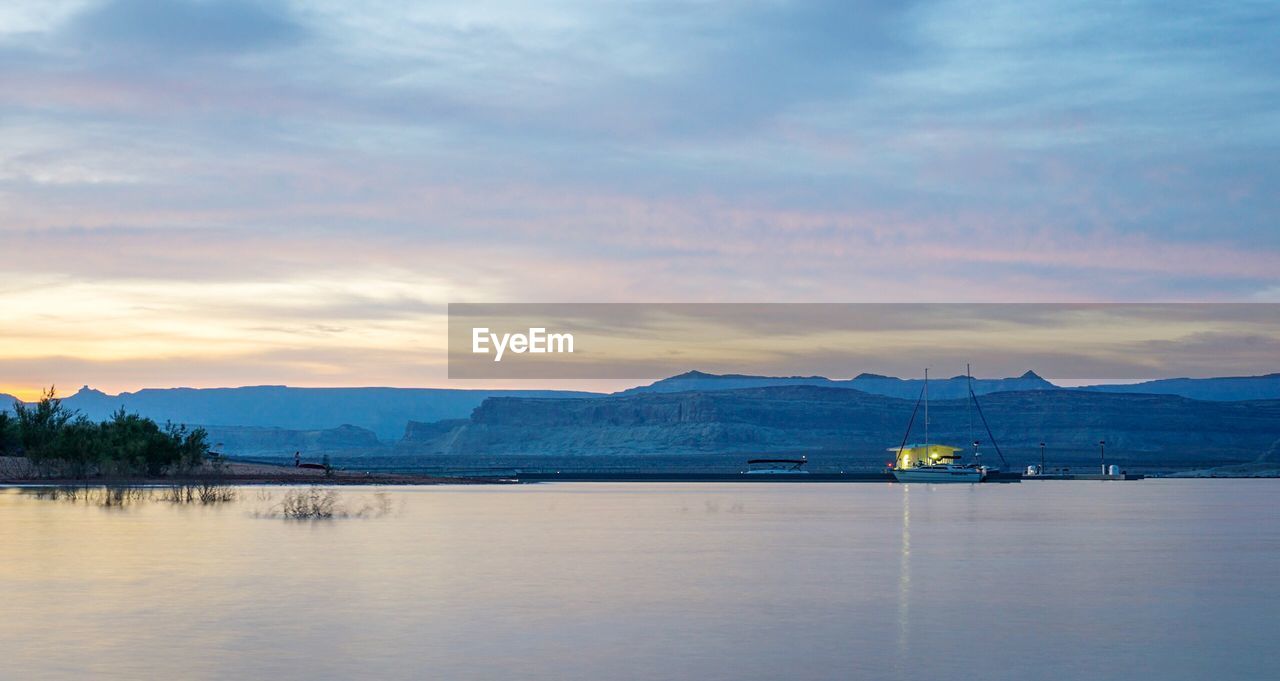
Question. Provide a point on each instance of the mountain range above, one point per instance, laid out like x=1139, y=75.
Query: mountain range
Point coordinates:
x=955, y=387
x=858, y=427
x=712, y=414
x=1226, y=389
x=385, y=411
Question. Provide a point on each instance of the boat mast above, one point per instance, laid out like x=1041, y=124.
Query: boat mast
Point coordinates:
x=990, y=435
x=968, y=380
x=914, y=410
x=926, y=415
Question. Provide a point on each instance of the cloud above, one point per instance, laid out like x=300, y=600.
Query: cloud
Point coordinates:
x=567, y=150
x=183, y=27
x=1268, y=295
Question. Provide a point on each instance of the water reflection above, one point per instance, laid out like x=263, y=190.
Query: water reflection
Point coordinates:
x=904, y=582
x=297, y=503
x=319, y=503
x=579, y=582
x=120, y=496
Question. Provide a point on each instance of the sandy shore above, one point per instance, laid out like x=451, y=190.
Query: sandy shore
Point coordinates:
x=18, y=471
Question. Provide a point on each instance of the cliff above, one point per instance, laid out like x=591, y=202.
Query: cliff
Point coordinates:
x=251, y=440
x=1146, y=429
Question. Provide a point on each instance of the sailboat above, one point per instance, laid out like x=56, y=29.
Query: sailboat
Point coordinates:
x=929, y=462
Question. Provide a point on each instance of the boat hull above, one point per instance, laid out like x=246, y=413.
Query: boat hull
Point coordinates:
x=923, y=474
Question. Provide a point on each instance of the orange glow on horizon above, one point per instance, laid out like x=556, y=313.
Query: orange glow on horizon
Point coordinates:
x=24, y=393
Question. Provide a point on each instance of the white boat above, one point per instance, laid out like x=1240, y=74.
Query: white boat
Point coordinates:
x=932, y=462
x=940, y=472
x=776, y=467
x=947, y=472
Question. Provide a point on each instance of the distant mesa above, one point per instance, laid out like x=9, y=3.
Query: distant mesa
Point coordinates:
x=1223, y=389
x=875, y=384
x=256, y=440
x=1160, y=430
x=384, y=411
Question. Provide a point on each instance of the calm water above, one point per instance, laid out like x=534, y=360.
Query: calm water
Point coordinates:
x=1049, y=580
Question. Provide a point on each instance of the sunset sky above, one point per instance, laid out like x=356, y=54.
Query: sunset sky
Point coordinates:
x=235, y=193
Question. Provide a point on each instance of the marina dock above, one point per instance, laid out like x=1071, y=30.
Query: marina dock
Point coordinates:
x=863, y=476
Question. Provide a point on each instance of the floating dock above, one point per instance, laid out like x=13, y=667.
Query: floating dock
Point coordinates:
x=587, y=476
x=1084, y=476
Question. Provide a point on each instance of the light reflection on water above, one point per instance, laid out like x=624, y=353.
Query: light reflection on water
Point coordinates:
x=1042, y=580
x=904, y=584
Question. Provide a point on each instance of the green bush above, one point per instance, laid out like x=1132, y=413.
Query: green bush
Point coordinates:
x=65, y=442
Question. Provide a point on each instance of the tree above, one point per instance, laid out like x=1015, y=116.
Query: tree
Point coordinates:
x=139, y=444
x=192, y=445
x=75, y=447
x=38, y=426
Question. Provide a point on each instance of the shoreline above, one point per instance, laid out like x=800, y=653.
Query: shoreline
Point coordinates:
x=238, y=473
x=17, y=472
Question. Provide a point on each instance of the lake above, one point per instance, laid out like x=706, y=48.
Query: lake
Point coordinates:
x=1167, y=579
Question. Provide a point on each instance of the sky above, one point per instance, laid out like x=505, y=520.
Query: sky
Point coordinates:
x=235, y=193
